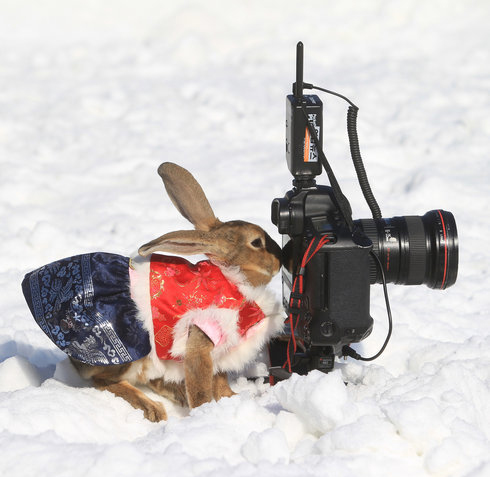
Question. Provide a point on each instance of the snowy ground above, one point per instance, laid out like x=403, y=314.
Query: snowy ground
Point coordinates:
x=94, y=95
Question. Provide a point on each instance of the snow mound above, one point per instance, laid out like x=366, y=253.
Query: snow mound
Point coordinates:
x=17, y=373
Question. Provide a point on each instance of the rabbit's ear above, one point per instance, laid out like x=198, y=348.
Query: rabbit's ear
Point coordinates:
x=185, y=242
x=187, y=195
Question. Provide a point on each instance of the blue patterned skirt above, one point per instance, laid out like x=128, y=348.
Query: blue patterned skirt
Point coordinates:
x=83, y=303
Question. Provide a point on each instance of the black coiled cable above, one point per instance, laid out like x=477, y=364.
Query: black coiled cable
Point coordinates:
x=358, y=164
x=355, y=150
x=368, y=195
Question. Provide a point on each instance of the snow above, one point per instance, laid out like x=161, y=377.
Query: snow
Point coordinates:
x=95, y=95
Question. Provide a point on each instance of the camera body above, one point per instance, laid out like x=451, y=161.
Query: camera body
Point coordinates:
x=329, y=260
x=336, y=305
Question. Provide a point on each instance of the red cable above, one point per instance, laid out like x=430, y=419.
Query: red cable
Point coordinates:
x=304, y=262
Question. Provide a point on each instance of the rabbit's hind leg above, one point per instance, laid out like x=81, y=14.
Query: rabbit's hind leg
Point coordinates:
x=153, y=411
x=170, y=390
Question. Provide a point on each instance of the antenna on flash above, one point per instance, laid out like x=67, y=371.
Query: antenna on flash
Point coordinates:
x=298, y=86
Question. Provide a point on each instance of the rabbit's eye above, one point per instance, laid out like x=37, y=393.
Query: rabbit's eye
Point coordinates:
x=257, y=243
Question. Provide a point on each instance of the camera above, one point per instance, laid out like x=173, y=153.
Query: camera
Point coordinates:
x=330, y=260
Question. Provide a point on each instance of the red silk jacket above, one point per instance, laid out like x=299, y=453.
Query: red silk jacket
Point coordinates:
x=178, y=286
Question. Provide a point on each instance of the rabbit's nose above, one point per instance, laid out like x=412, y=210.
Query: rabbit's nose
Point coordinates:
x=276, y=253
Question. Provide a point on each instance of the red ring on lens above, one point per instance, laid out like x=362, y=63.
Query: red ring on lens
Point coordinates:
x=445, y=250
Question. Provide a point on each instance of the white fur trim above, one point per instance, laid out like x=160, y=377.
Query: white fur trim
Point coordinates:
x=170, y=370
x=247, y=350
x=235, y=352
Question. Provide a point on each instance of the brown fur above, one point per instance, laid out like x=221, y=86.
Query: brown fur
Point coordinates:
x=198, y=367
x=227, y=242
x=112, y=378
x=221, y=388
x=173, y=391
x=200, y=385
x=234, y=243
x=153, y=411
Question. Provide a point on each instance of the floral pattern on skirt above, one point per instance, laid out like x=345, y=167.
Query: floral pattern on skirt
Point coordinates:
x=83, y=303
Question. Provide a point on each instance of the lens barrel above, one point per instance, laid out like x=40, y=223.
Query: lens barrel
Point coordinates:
x=415, y=249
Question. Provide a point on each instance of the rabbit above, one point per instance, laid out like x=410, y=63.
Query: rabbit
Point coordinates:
x=161, y=321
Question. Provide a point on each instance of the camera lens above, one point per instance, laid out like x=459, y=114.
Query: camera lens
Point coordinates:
x=415, y=249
